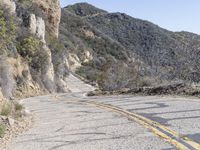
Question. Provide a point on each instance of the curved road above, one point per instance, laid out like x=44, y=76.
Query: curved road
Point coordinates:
x=73, y=121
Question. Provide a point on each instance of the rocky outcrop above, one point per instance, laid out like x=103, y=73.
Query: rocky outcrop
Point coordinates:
x=9, y=4
x=52, y=10
x=62, y=74
x=37, y=27
x=48, y=72
x=25, y=86
x=18, y=77
x=74, y=61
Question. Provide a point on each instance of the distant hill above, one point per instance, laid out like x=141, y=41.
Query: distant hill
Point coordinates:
x=132, y=44
x=84, y=9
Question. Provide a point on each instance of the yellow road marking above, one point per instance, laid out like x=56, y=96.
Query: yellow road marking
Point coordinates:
x=181, y=143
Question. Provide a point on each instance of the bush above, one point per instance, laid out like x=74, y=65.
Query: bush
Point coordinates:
x=2, y=130
x=29, y=46
x=6, y=110
x=18, y=107
x=54, y=44
x=7, y=30
x=143, y=83
x=25, y=1
x=32, y=50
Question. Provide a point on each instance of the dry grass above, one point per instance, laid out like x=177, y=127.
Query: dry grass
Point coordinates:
x=6, y=110
x=2, y=130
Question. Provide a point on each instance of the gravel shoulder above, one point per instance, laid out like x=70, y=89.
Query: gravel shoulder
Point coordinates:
x=12, y=131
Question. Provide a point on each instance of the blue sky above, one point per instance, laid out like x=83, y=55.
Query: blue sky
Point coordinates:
x=175, y=15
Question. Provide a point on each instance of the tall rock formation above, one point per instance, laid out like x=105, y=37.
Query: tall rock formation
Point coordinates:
x=52, y=10
x=9, y=4
x=36, y=18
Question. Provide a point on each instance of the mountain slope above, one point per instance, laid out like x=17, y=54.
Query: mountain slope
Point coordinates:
x=162, y=54
x=98, y=55
x=155, y=46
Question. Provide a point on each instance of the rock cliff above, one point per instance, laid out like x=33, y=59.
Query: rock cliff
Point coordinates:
x=33, y=64
x=52, y=10
x=9, y=4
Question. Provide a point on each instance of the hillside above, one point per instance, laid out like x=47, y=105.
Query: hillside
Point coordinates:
x=82, y=51
x=175, y=55
x=96, y=56
x=29, y=49
x=147, y=49
x=113, y=50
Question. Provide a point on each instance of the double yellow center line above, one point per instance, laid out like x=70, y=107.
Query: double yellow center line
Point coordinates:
x=180, y=142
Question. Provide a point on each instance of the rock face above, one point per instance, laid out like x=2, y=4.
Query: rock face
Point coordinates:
x=48, y=72
x=18, y=77
x=37, y=27
x=51, y=8
x=6, y=77
x=9, y=4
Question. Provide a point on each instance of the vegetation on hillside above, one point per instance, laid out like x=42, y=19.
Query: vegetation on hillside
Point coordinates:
x=111, y=66
x=154, y=54
x=7, y=31
x=171, y=56
x=32, y=50
x=88, y=9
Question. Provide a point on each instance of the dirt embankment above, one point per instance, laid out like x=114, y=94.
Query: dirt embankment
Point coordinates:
x=14, y=119
x=170, y=89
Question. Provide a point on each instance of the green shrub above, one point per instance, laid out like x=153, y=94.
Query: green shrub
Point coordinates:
x=32, y=50
x=18, y=107
x=2, y=130
x=54, y=44
x=26, y=2
x=143, y=83
x=39, y=60
x=6, y=110
x=7, y=30
x=29, y=46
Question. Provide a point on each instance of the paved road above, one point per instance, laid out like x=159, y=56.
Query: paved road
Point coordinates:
x=75, y=122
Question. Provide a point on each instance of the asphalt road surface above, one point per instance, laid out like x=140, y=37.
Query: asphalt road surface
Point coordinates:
x=73, y=121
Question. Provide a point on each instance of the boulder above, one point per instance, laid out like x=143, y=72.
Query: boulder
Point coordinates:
x=11, y=121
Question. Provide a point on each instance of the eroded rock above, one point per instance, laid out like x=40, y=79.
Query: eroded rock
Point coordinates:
x=37, y=27
x=11, y=121
x=52, y=11
x=9, y=4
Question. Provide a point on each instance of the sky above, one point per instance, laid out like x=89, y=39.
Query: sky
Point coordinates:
x=174, y=15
